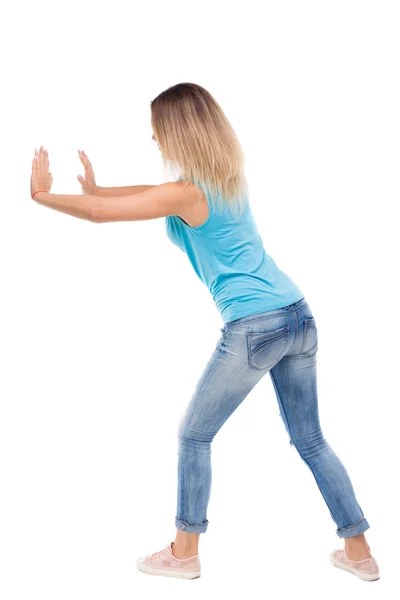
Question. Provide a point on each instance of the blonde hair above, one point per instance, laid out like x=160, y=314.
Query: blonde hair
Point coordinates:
x=193, y=131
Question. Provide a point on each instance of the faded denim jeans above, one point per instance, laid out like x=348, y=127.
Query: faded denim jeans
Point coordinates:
x=283, y=343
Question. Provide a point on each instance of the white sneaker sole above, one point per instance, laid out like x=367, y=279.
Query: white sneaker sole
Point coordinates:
x=166, y=572
x=364, y=576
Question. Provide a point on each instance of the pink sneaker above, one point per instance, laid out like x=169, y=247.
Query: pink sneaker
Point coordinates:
x=165, y=563
x=366, y=569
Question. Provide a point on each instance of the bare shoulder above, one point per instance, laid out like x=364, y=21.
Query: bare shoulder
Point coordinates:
x=194, y=207
x=180, y=193
x=189, y=190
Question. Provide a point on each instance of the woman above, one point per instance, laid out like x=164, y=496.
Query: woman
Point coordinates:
x=268, y=325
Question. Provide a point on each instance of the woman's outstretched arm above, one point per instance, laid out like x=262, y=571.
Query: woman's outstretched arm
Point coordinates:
x=169, y=198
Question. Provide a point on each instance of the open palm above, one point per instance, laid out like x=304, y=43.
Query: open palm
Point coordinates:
x=87, y=182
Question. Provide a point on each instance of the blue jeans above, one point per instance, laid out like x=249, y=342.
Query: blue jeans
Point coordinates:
x=283, y=343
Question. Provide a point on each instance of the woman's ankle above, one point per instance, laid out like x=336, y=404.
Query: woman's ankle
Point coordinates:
x=357, y=547
x=183, y=551
x=185, y=544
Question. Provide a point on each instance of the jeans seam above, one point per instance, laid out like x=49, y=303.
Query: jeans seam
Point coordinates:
x=283, y=408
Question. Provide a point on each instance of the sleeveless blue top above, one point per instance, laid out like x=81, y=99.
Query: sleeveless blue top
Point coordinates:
x=228, y=255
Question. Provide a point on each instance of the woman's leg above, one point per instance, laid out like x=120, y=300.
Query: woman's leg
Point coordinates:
x=223, y=385
x=295, y=383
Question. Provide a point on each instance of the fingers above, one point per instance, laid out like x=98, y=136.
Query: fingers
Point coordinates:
x=89, y=173
x=83, y=157
x=40, y=163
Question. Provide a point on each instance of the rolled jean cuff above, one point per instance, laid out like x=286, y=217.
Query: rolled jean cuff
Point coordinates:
x=353, y=530
x=194, y=528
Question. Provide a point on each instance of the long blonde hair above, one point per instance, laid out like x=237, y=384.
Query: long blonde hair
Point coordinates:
x=193, y=131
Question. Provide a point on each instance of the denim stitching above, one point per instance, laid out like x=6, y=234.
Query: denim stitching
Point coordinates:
x=255, y=352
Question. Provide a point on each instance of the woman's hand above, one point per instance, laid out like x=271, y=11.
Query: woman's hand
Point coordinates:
x=41, y=179
x=88, y=182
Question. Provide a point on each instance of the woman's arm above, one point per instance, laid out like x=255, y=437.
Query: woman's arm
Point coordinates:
x=122, y=191
x=157, y=201
x=81, y=206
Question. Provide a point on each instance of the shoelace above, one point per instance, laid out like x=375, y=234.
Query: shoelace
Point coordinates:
x=155, y=554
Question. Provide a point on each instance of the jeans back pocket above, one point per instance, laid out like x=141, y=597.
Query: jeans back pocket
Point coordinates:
x=266, y=348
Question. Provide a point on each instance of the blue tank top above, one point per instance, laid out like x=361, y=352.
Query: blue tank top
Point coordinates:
x=228, y=255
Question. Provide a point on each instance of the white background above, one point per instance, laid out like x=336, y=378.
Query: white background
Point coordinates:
x=105, y=328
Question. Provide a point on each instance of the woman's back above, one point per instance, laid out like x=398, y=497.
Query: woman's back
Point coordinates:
x=228, y=255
